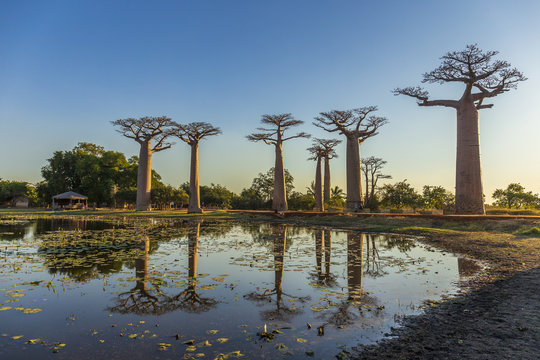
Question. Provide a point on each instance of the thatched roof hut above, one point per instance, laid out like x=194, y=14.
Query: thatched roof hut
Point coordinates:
x=69, y=200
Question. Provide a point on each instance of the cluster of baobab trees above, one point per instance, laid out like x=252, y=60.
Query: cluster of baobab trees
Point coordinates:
x=482, y=76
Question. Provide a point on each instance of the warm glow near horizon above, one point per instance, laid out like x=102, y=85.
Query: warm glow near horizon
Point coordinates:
x=69, y=68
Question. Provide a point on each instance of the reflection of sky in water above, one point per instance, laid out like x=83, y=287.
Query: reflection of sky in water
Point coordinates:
x=354, y=285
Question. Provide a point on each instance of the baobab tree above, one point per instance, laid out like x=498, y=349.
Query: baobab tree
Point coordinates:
x=351, y=124
x=191, y=134
x=275, y=135
x=144, y=131
x=371, y=167
x=487, y=78
x=329, y=153
x=317, y=154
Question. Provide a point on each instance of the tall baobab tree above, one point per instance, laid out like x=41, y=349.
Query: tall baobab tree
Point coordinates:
x=371, y=167
x=483, y=78
x=317, y=154
x=351, y=124
x=191, y=134
x=329, y=153
x=275, y=135
x=144, y=131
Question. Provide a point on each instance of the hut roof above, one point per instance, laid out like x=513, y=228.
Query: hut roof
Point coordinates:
x=70, y=195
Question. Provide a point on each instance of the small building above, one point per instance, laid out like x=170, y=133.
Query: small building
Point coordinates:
x=69, y=200
x=20, y=202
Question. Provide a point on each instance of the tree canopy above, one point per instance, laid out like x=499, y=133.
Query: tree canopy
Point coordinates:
x=473, y=67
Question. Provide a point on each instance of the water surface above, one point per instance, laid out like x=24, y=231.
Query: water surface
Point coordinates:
x=207, y=289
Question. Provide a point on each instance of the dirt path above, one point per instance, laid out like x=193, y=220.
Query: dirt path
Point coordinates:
x=498, y=321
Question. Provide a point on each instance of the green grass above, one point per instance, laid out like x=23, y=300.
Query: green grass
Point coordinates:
x=534, y=232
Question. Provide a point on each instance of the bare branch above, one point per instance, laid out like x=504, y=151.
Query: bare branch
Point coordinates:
x=194, y=132
x=472, y=67
x=299, y=135
x=261, y=137
x=273, y=136
x=328, y=145
x=146, y=129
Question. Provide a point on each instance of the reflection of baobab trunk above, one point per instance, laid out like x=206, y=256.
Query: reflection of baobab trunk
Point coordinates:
x=318, y=252
x=327, y=252
x=141, y=267
x=193, y=249
x=467, y=267
x=355, y=257
x=280, y=242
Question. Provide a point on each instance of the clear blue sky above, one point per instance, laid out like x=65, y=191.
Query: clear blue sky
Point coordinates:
x=67, y=68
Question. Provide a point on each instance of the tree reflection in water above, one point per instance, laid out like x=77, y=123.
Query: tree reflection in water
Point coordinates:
x=348, y=311
x=144, y=300
x=282, y=311
x=323, y=245
x=189, y=300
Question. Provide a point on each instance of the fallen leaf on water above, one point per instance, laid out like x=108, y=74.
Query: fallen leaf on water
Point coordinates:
x=17, y=337
x=222, y=340
x=213, y=332
x=300, y=340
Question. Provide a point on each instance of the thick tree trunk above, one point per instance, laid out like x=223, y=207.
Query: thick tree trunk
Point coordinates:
x=327, y=185
x=355, y=264
x=372, y=190
x=354, y=183
x=319, y=204
x=279, y=200
x=366, y=198
x=194, y=190
x=144, y=178
x=469, y=192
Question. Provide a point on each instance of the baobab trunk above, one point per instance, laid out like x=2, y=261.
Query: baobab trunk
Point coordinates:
x=354, y=182
x=319, y=204
x=469, y=193
x=327, y=186
x=372, y=190
x=279, y=200
x=144, y=177
x=366, y=198
x=194, y=191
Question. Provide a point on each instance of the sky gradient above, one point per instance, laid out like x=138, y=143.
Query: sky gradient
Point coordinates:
x=67, y=68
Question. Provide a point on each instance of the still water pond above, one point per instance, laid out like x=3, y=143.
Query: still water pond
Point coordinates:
x=206, y=290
